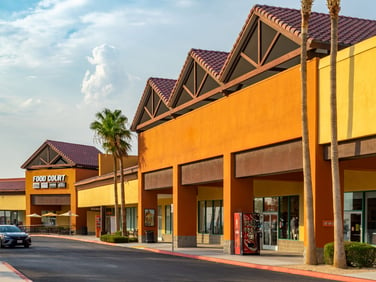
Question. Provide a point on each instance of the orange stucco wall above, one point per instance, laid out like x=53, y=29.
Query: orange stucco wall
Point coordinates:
x=71, y=176
x=265, y=113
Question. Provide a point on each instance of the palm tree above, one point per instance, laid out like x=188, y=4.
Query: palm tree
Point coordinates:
x=339, y=258
x=310, y=252
x=123, y=147
x=108, y=127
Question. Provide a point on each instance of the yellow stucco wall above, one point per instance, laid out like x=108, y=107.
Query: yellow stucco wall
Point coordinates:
x=91, y=221
x=104, y=195
x=13, y=203
x=106, y=162
x=209, y=193
x=356, y=92
x=356, y=180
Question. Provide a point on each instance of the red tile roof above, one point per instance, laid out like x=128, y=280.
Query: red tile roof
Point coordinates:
x=211, y=60
x=81, y=155
x=350, y=30
x=12, y=185
x=163, y=86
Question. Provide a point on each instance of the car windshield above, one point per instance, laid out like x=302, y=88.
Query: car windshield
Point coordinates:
x=10, y=228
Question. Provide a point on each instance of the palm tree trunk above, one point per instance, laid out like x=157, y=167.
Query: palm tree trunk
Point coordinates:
x=310, y=249
x=123, y=210
x=339, y=258
x=116, y=195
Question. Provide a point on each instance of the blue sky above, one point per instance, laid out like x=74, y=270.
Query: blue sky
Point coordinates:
x=61, y=61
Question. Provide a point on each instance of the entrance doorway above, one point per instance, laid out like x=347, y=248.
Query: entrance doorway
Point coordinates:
x=353, y=226
x=269, y=223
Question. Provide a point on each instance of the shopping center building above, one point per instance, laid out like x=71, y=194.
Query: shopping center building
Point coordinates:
x=50, y=176
x=222, y=138
x=12, y=201
x=225, y=137
x=96, y=195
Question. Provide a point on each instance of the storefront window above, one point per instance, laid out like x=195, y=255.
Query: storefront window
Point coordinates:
x=48, y=220
x=258, y=205
x=168, y=218
x=210, y=217
x=201, y=217
x=131, y=214
x=270, y=204
x=370, y=235
x=12, y=217
x=217, y=218
x=289, y=217
x=353, y=201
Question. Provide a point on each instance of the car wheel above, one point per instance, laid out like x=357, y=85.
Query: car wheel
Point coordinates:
x=1, y=244
x=26, y=245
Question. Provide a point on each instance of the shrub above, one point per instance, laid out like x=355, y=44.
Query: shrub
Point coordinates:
x=132, y=239
x=113, y=238
x=360, y=254
x=357, y=254
x=329, y=253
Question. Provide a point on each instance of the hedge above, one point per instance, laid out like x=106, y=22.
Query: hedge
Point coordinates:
x=357, y=254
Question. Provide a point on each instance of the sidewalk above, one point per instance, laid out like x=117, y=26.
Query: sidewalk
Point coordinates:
x=268, y=260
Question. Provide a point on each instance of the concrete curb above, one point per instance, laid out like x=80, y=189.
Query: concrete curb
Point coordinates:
x=266, y=267
x=16, y=272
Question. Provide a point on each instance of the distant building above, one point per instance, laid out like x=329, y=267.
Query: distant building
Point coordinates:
x=51, y=172
x=12, y=201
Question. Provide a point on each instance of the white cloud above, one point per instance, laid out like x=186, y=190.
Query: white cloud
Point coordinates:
x=17, y=105
x=108, y=76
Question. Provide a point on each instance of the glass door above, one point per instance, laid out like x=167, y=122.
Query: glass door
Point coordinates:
x=353, y=226
x=269, y=231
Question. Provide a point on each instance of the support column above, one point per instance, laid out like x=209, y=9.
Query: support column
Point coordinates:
x=237, y=197
x=184, y=213
x=147, y=200
x=322, y=203
x=320, y=169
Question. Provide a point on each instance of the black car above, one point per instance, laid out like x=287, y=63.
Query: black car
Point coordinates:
x=11, y=236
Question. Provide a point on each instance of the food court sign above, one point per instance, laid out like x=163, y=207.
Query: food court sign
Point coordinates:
x=49, y=181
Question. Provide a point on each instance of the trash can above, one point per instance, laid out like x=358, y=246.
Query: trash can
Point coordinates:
x=83, y=230
x=149, y=236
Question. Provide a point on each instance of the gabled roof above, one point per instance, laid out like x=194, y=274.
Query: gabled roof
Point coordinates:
x=154, y=100
x=163, y=87
x=198, y=65
x=350, y=30
x=287, y=23
x=205, y=62
x=268, y=43
x=213, y=61
x=62, y=154
x=12, y=185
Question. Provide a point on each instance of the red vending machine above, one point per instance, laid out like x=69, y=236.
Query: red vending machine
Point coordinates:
x=247, y=233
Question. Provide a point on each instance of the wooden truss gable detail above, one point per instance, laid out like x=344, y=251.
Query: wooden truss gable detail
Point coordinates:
x=263, y=48
x=154, y=105
x=48, y=157
x=196, y=82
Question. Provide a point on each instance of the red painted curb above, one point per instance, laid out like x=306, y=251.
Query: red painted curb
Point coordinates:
x=23, y=277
